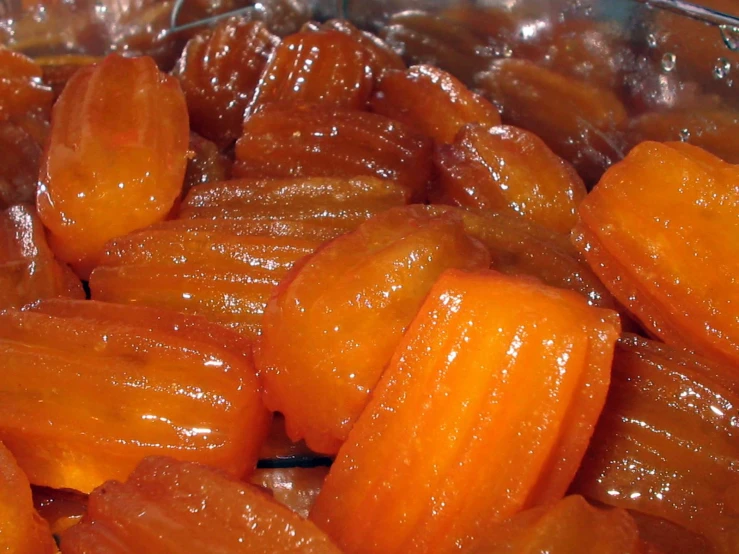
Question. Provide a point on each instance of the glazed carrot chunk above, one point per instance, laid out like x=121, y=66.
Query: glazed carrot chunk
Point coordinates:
x=519, y=247
x=338, y=203
x=666, y=442
x=485, y=409
x=650, y=229
x=22, y=531
x=28, y=269
x=380, y=56
x=312, y=141
x=219, y=72
x=432, y=101
x=571, y=526
x=333, y=323
x=167, y=506
x=206, y=163
x=509, y=169
x=116, y=157
x=326, y=67
x=577, y=120
x=221, y=271
x=175, y=389
x=20, y=157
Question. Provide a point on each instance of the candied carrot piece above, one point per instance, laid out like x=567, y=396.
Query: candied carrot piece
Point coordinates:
x=224, y=271
x=485, y=409
x=341, y=203
x=168, y=506
x=381, y=56
x=22, y=530
x=325, y=67
x=505, y=168
x=207, y=164
x=333, y=323
x=666, y=442
x=316, y=141
x=176, y=389
x=579, y=121
x=432, y=101
x=28, y=269
x=649, y=230
x=571, y=526
x=294, y=487
x=219, y=71
x=116, y=157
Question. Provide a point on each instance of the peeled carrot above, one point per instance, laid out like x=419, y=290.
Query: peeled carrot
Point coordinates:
x=485, y=409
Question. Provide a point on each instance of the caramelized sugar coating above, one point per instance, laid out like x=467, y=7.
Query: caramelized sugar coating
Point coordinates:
x=20, y=158
x=219, y=71
x=311, y=141
x=21, y=87
x=22, y=530
x=294, y=487
x=571, y=526
x=666, y=442
x=223, y=271
x=423, y=38
x=333, y=323
x=714, y=130
x=577, y=120
x=522, y=248
x=341, y=204
x=60, y=508
x=168, y=506
x=206, y=163
x=28, y=269
x=432, y=101
x=485, y=409
x=326, y=68
x=381, y=56
x=508, y=169
x=650, y=229
x=116, y=157
x=179, y=386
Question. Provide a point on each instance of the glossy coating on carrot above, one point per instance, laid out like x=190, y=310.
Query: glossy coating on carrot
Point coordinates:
x=485, y=409
x=341, y=204
x=432, y=101
x=21, y=87
x=650, y=229
x=294, y=487
x=28, y=269
x=174, y=389
x=22, y=530
x=571, y=526
x=311, y=141
x=666, y=443
x=224, y=272
x=380, y=56
x=57, y=70
x=327, y=68
x=519, y=247
x=167, y=506
x=333, y=324
x=505, y=168
x=219, y=71
x=577, y=120
x=116, y=157
x=20, y=158
x=206, y=163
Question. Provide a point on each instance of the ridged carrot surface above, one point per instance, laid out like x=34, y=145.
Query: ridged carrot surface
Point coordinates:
x=485, y=409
